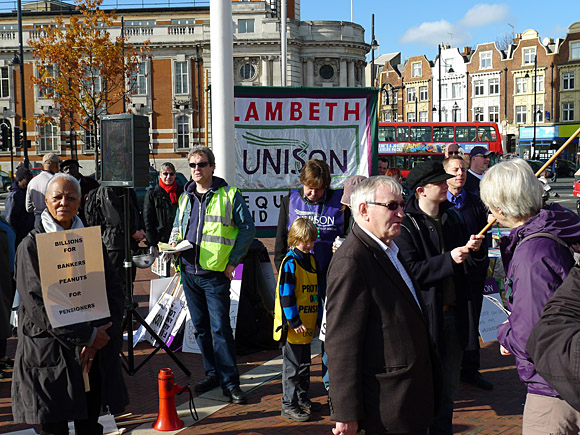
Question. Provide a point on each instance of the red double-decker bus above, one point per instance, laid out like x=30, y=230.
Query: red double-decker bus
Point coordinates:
x=407, y=143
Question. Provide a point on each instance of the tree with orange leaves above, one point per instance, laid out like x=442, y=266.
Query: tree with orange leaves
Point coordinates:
x=84, y=70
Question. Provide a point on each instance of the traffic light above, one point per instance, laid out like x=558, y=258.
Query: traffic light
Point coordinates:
x=17, y=137
x=4, y=137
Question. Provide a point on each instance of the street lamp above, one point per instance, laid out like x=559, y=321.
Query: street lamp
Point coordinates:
x=455, y=108
x=534, y=109
x=374, y=46
x=18, y=61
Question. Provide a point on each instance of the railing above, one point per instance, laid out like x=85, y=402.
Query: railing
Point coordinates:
x=7, y=6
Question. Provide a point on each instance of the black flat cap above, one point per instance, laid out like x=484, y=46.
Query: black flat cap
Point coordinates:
x=425, y=173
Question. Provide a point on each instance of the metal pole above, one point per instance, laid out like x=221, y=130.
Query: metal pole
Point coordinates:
x=22, y=88
x=534, y=110
x=373, y=52
x=440, y=108
x=283, y=42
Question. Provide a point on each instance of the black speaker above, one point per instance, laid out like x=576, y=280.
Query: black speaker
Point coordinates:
x=125, y=150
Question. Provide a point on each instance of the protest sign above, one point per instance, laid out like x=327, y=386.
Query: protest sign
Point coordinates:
x=189, y=343
x=72, y=275
x=493, y=312
x=277, y=130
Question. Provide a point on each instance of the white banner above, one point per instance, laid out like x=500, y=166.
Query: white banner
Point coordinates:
x=276, y=134
x=72, y=276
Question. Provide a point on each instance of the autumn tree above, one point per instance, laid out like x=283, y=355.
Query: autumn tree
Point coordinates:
x=84, y=70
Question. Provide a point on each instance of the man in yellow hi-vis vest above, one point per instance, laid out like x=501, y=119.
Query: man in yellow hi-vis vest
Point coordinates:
x=215, y=219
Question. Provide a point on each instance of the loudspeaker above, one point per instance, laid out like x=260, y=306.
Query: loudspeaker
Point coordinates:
x=125, y=150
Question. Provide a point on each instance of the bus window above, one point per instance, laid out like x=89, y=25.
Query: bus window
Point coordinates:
x=443, y=134
x=386, y=134
x=420, y=134
x=402, y=134
x=486, y=134
x=465, y=134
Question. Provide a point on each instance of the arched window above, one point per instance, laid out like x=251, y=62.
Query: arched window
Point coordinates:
x=48, y=141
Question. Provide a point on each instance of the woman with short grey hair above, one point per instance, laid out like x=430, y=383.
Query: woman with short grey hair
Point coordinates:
x=536, y=259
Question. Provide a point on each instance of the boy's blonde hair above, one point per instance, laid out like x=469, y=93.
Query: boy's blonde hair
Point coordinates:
x=302, y=230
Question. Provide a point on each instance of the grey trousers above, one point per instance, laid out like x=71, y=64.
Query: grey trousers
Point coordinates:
x=295, y=374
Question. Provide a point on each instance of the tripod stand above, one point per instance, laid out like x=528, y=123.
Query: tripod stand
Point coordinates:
x=130, y=309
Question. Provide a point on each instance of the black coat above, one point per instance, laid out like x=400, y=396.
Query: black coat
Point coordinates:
x=16, y=215
x=554, y=344
x=47, y=383
x=472, y=183
x=158, y=214
x=6, y=284
x=421, y=249
x=381, y=360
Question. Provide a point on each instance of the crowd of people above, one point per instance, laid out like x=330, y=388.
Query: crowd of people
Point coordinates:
x=393, y=274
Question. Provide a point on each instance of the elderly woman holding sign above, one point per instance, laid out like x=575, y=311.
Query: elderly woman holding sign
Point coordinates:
x=536, y=259
x=49, y=386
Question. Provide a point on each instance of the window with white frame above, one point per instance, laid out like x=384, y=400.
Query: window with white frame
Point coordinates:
x=410, y=94
x=246, y=26
x=539, y=113
x=182, y=123
x=447, y=64
x=46, y=90
x=395, y=97
x=444, y=92
x=423, y=117
x=521, y=114
x=92, y=81
x=493, y=86
x=387, y=117
x=574, y=50
x=89, y=142
x=478, y=87
x=539, y=85
x=529, y=55
x=4, y=82
x=456, y=90
x=568, y=111
x=411, y=117
x=521, y=85
x=48, y=138
x=417, y=69
x=181, y=78
x=493, y=112
x=138, y=80
x=478, y=114
x=568, y=81
x=485, y=60
x=423, y=93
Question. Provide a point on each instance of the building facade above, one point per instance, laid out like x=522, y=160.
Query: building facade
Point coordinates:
x=174, y=84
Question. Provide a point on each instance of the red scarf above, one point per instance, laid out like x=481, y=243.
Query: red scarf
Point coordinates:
x=170, y=189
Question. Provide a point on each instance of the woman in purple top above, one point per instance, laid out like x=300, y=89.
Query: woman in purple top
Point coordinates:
x=536, y=259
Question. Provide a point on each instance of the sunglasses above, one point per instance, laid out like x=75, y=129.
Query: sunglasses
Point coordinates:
x=199, y=165
x=453, y=153
x=393, y=206
x=168, y=174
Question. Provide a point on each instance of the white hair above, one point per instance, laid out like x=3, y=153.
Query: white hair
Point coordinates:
x=512, y=187
x=66, y=177
x=365, y=191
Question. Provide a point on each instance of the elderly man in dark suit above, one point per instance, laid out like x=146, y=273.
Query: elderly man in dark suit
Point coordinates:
x=380, y=356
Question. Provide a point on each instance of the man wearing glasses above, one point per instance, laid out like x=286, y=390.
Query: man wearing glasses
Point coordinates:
x=380, y=356
x=215, y=219
x=441, y=255
x=479, y=158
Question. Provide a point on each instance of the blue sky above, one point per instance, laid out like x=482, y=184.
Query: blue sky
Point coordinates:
x=415, y=28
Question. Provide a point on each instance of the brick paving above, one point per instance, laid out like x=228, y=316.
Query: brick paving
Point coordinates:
x=476, y=411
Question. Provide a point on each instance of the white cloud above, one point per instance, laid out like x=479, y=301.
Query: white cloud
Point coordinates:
x=435, y=32
x=483, y=14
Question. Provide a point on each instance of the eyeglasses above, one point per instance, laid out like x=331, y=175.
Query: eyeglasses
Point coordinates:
x=168, y=174
x=199, y=165
x=393, y=206
x=453, y=153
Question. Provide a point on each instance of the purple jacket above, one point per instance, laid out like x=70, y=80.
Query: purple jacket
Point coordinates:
x=535, y=271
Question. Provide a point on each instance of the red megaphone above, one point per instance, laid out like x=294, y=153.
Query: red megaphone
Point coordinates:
x=167, y=418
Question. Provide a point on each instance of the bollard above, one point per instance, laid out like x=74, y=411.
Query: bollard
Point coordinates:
x=167, y=418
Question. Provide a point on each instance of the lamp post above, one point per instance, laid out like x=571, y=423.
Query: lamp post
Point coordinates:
x=374, y=46
x=20, y=61
x=439, y=113
x=534, y=108
x=455, y=107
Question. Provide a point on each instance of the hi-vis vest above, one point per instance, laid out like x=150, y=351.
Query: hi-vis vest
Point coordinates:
x=219, y=230
x=306, y=292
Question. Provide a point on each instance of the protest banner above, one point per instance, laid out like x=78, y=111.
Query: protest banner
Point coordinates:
x=72, y=276
x=189, y=343
x=277, y=130
x=493, y=312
